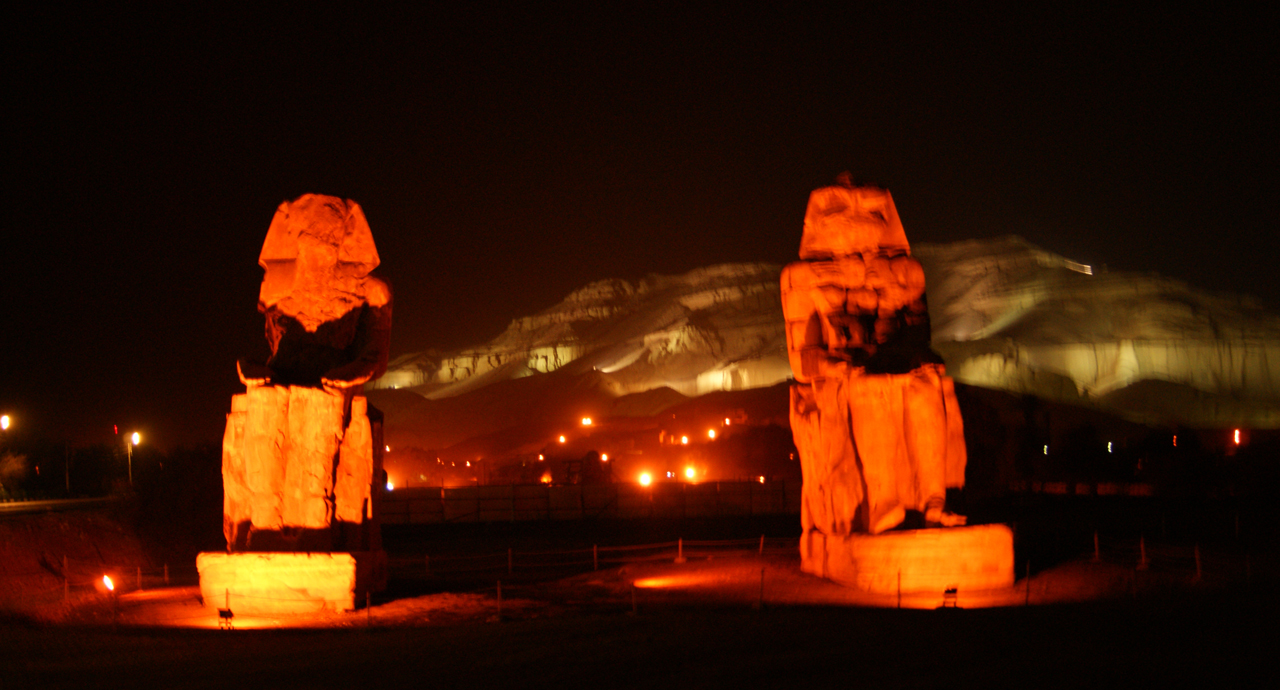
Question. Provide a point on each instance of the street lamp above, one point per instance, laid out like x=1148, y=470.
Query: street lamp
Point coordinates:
x=4, y=422
x=134, y=440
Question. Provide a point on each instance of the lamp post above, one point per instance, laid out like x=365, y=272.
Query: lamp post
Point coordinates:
x=134, y=440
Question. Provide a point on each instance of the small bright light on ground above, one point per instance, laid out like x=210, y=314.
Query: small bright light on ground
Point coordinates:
x=684, y=440
x=726, y=421
x=546, y=477
x=136, y=438
x=604, y=457
x=468, y=463
x=1108, y=446
x=760, y=479
x=688, y=472
x=540, y=457
x=1237, y=437
x=586, y=421
x=390, y=485
x=388, y=448
x=562, y=439
x=1046, y=450
x=4, y=422
x=106, y=582
x=645, y=479
x=671, y=475
x=711, y=433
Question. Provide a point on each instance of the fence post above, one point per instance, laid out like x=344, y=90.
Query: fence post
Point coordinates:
x=680, y=550
x=1027, y=579
x=1143, y=563
x=595, y=557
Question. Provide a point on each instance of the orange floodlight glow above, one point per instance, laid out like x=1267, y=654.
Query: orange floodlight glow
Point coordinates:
x=546, y=477
x=711, y=433
x=4, y=422
x=136, y=438
x=1237, y=437
x=604, y=457
x=562, y=438
x=689, y=473
x=391, y=486
x=586, y=421
x=106, y=582
x=684, y=440
x=645, y=479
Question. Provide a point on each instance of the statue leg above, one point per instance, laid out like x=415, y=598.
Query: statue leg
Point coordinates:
x=875, y=413
x=927, y=436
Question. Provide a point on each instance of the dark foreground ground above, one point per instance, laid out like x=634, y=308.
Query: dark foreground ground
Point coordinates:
x=700, y=623
x=1214, y=639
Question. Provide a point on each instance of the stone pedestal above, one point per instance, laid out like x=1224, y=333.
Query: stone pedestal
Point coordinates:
x=927, y=560
x=289, y=583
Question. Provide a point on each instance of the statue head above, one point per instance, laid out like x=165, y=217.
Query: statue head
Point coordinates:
x=318, y=255
x=845, y=220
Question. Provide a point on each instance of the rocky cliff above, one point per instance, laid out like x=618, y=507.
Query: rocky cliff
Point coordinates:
x=1006, y=315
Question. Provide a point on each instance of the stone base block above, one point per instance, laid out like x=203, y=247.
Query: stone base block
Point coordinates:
x=289, y=583
x=928, y=560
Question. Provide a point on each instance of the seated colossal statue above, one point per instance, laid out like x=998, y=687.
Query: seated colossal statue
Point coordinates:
x=873, y=414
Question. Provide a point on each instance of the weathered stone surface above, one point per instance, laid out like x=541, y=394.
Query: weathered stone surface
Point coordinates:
x=301, y=451
x=288, y=583
x=873, y=413
x=328, y=320
x=970, y=558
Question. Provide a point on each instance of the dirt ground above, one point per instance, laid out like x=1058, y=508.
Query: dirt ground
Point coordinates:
x=703, y=623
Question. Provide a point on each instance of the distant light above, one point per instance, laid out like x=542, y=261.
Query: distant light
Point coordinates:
x=1175, y=440
x=540, y=458
x=4, y=422
x=671, y=475
x=546, y=477
x=711, y=433
x=604, y=457
x=760, y=479
x=1046, y=450
x=1237, y=437
x=645, y=479
x=388, y=448
x=106, y=582
x=1108, y=446
x=586, y=421
x=136, y=438
x=562, y=439
x=689, y=472
x=684, y=440
x=726, y=421
x=468, y=463
x=390, y=485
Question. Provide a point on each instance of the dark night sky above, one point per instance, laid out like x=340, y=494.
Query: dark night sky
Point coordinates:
x=505, y=156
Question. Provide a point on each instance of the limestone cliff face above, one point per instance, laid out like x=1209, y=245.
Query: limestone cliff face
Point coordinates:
x=1005, y=314
x=714, y=328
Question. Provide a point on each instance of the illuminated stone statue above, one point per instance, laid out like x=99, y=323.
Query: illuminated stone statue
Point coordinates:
x=873, y=413
x=303, y=451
